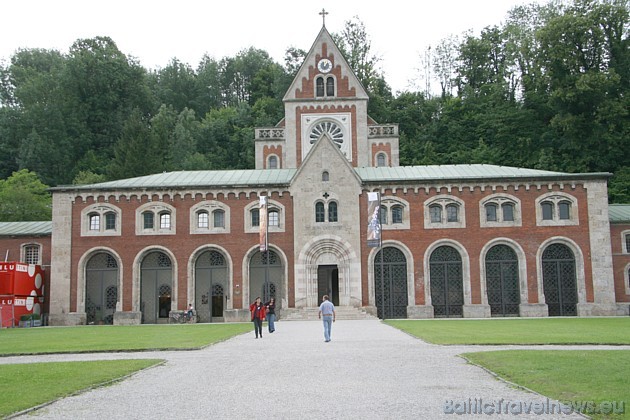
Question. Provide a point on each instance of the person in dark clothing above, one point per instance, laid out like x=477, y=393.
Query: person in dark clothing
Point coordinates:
x=271, y=314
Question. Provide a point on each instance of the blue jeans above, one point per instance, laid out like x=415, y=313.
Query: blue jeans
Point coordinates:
x=327, y=326
x=271, y=319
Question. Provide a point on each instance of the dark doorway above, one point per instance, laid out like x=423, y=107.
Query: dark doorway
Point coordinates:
x=502, y=282
x=390, y=281
x=447, y=285
x=559, y=280
x=328, y=283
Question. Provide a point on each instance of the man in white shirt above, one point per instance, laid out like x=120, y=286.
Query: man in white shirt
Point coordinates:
x=327, y=311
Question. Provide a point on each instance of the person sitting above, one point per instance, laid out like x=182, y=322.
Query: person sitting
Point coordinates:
x=190, y=312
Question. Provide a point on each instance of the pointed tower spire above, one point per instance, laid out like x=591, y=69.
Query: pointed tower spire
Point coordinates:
x=323, y=13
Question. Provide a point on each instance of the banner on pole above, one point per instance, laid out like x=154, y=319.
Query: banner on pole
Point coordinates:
x=262, y=222
x=374, y=220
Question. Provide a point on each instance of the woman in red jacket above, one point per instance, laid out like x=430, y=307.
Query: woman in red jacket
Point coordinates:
x=258, y=315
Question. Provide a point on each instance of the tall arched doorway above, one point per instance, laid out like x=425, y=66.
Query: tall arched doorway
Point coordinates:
x=447, y=284
x=156, y=287
x=502, y=283
x=211, y=282
x=266, y=277
x=101, y=288
x=390, y=283
x=559, y=280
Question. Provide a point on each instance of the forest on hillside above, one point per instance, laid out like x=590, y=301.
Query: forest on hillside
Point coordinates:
x=548, y=88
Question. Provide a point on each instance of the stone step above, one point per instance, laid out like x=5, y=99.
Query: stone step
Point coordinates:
x=311, y=314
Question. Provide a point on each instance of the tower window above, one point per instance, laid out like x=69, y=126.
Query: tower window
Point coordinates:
x=330, y=86
x=319, y=82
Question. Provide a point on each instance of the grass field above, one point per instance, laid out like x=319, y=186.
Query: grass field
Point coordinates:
x=519, y=330
x=591, y=379
x=23, y=386
x=115, y=338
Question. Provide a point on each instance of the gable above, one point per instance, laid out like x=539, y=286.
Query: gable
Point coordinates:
x=304, y=83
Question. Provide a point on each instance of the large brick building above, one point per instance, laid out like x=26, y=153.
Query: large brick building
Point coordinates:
x=456, y=240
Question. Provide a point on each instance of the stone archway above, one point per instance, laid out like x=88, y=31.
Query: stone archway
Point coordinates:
x=502, y=281
x=266, y=278
x=156, y=287
x=390, y=280
x=559, y=280
x=446, y=282
x=101, y=288
x=211, y=282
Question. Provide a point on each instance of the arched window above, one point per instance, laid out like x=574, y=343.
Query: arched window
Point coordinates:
x=508, y=212
x=165, y=220
x=547, y=210
x=203, y=220
x=100, y=219
x=274, y=218
x=330, y=86
x=325, y=176
x=255, y=217
x=320, y=214
x=452, y=213
x=383, y=215
x=110, y=221
x=319, y=82
x=491, y=212
x=332, y=211
x=147, y=218
x=218, y=218
x=95, y=221
x=381, y=160
x=436, y=213
x=273, y=162
x=397, y=214
x=31, y=253
x=564, y=208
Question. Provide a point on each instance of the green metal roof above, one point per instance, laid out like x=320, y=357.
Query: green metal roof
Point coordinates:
x=267, y=177
x=462, y=172
x=619, y=213
x=25, y=228
x=192, y=179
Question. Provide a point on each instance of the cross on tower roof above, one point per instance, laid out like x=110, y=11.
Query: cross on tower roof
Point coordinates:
x=323, y=13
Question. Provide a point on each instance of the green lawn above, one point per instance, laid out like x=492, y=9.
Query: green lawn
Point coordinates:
x=23, y=386
x=519, y=330
x=567, y=375
x=115, y=338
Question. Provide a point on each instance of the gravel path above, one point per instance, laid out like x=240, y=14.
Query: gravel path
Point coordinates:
x=368, y=370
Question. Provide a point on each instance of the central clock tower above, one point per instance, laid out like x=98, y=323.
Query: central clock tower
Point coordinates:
x=325, y=99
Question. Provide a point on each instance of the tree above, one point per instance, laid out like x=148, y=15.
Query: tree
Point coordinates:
x=136, y=153
x=355, y=44
x=23, y=197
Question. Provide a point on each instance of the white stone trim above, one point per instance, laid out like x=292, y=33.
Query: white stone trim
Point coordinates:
x=556, y=197
x=444, y=200
x=156, y=208
x=101, y=209
x=210, y=206
x=500, y=199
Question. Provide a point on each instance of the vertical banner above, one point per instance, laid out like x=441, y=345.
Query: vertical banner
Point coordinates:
x=374, y=220
x=262, y=222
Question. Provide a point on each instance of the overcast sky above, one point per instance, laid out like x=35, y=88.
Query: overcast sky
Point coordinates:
x=154, y=31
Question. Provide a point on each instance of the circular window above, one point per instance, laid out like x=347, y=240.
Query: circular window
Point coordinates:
x=329, y=127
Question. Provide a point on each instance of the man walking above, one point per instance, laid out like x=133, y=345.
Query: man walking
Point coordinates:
x=327, y=310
